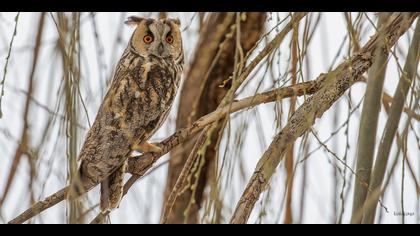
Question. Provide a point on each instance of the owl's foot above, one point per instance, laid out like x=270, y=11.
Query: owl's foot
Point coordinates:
x=147, y=147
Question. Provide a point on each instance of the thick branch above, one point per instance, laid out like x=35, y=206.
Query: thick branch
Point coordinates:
x=333, y=87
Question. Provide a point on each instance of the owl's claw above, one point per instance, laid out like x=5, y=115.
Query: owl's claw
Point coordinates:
x=147, y=147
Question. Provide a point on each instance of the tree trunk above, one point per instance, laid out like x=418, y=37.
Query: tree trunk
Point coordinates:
x=201, y=94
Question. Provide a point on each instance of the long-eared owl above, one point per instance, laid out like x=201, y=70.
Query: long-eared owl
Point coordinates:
x=136, y=104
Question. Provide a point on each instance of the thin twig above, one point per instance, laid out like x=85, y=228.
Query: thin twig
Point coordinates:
x=7, y=61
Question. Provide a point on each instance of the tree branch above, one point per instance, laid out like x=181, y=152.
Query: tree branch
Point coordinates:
x=41, y=206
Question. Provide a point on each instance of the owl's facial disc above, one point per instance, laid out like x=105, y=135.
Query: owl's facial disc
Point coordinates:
x=160, y=38
x=159, y=47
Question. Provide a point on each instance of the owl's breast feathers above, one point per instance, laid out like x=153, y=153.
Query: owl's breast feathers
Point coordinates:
x=135, y=106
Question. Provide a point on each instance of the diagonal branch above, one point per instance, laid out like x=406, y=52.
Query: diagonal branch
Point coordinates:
x=333, y=87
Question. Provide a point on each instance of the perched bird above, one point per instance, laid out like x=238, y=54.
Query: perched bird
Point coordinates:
x=135, y=106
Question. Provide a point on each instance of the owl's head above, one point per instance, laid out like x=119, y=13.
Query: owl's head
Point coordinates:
x=161, y=38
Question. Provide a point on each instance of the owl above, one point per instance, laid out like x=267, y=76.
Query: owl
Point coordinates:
x=136, y=104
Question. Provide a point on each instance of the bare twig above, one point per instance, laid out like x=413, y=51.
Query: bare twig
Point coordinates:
x=7, y=61
x=181, y=179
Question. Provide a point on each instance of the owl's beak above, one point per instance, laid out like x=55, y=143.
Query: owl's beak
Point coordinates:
x=160, y=49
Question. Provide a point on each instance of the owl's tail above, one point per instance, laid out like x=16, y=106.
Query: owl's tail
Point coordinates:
x=76, y=186
x=112, y=189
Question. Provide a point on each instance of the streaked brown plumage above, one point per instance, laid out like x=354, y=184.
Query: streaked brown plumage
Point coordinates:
x=136, y=104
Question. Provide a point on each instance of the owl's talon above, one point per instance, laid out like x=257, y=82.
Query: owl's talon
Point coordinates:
x=156, y=148
x=105, y=211
x=147, y=147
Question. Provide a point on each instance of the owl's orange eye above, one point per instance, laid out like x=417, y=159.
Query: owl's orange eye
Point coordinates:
x=148, y=39
x=169, y=39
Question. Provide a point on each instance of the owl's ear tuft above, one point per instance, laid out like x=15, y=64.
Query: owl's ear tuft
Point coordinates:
x=177, y=21
x=133, y=20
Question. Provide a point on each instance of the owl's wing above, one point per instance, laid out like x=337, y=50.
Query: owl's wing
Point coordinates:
x=108, y=141
x=104, y=150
